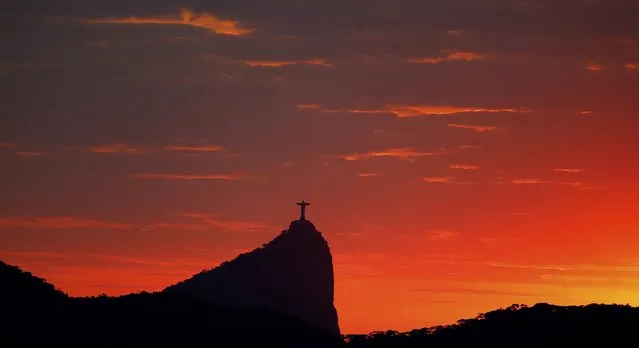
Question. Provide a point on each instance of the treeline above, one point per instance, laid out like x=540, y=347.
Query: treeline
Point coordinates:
x=542, y=325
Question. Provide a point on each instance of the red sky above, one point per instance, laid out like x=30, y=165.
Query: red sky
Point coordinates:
x=459, y=156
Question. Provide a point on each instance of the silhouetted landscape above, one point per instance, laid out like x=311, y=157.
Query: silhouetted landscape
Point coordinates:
x=279, y=295
x=293, y=274
x=36, y=314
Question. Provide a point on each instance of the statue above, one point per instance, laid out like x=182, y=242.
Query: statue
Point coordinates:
x=303, y=205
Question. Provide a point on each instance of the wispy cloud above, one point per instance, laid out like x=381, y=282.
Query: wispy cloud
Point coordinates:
x=471, y=291
x=187, y=176
x=441, y=235
x=367, y=175
x=269, y=63
x=568, y=170
x=463, y=166
x=116, y=148
x=568, y=268
x=59, y=223
x=419, y=110
x=309, y=106
x=571, y=278
x=522, y=214
x=476, y=128
x=197, y=215
x=190, y=148
x=31, y=153
x=541, y=182
x=591, y=66
x=6, y=145
x=447, y=56
x=439, y=179
x=208, y=221
x=405, y=110
x=186, y=17
x=175, y=226
x=405, y=153
x=632, y=66
x=237, y=225
x=281, y=63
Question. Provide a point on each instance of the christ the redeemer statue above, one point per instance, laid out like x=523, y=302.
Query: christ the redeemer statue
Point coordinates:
x=303, y=205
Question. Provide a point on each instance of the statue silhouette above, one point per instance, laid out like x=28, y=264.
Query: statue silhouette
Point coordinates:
x=303, y=205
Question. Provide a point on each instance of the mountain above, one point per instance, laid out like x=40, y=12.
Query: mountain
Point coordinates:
x=542, y=325
x=36, y=314
x=293, y=274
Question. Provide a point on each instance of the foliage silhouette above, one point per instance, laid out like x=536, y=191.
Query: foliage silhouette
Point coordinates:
x=542, y=325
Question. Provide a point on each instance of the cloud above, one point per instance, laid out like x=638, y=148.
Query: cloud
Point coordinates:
x=237, y=225
x=187, y=18
x=568, y=170
x=632, y=66
x=309, y=106
x=197, y=215
x=419, y=110
x=440, y=180
x=184, y=176
x=405, y=153
x=441, y=235
x=448, y=56
x=463, y=166
x=202, y=148
x=6, y=145
x=522, y=214
x=571, y=278
x=539, y=182
x=269, y=63
x=356, y=111
x=403, y=110
x=208, y=222
x=281, y=63
x=116, y=148
x=31, y=153
x=59, y=223
x=471, y=291
x=476, y=128
x=594, y=67
x=175, y=226
x=567, y=268
x=367, y=175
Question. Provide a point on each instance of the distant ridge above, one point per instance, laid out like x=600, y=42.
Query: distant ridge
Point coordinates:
x=35, y=314
x=293, y=274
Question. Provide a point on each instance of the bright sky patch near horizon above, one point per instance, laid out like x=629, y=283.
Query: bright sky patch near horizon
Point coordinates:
x=460, y=155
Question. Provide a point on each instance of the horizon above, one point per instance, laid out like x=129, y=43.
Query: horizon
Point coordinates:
x=458, y=157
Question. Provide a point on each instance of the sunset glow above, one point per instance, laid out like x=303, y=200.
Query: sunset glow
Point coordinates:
x=459, y=156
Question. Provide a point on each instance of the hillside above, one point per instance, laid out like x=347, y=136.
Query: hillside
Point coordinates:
x=542, y=325
x=36, y=314
x=293, y=274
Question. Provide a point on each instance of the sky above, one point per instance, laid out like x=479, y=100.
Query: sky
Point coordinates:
x=459, y=155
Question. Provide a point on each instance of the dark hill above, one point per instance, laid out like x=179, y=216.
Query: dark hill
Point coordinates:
x=542, y=325
x=35, y=314
x=293, y=274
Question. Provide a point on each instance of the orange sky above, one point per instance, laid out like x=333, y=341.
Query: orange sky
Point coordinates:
x=458, y=157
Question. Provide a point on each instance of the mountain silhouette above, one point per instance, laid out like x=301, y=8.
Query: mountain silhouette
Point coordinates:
x=293, y=274
x=35, y=314
x=542, y=325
